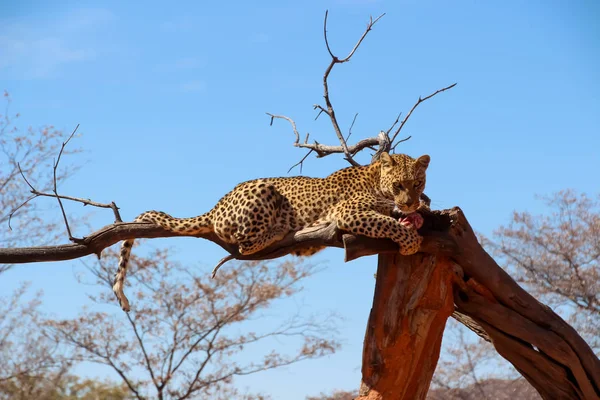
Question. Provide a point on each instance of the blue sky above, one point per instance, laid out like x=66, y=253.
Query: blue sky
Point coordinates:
x=172, y=99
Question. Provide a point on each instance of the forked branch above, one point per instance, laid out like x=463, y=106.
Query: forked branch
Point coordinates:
x=411, y=111
x=37, y=193
x=383, y=142
x=62, y=209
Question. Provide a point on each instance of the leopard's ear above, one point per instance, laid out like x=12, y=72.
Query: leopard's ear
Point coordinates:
x=423, y=162
x=386, y=160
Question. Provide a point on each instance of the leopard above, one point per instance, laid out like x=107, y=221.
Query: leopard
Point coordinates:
x=258, y=213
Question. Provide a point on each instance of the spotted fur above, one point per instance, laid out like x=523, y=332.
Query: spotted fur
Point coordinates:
x=257, y=213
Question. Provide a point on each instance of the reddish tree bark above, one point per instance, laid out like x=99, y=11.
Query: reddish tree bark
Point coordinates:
x=412, y=301
x=414, y=297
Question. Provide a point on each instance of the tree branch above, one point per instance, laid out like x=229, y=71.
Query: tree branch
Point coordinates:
x=324, y=235
x=335, y=60
x=413, y=109
x=37, y=193
x=62, y=209
x=516, y=321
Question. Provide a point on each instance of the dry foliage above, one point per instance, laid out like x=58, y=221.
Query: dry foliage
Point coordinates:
x=184, y=337
x=557, y=257
x=493, y=389
x=33, y=364
x=335, y=395
x=466, y=367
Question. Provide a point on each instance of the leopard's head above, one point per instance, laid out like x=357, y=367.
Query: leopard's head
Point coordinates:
x=402, y=179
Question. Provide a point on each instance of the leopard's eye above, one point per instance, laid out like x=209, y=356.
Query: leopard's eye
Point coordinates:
x=398, y=186
x=418, y=183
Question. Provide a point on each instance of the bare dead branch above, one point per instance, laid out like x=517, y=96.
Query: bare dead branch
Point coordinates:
x=325, y=34
x=291, y=121
x=415, y=106
x=37, y=193
x=394, y=124
x=329, y=107
x=349, y=56
x=62, y=209
x=380, y=143
x=318, y=236
x=24, y=178
x=321, y=110
x=400, y=141
x=18, y=208
x=324, y=150
x=301, y=162
x=85, y=202
x=351, y=126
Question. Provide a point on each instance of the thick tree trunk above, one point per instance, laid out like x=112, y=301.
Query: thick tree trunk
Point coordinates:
x=415, y=295
x=412, y=301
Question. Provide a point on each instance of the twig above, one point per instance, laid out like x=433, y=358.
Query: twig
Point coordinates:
x=321, y=110
x=325, y=34
x=400, y=141
x=394, y=124
x=62, y=209
x=415, y=106
x=37, y=193
x=16, y=209
x=325, y=150
x=291, y=121
x=220, y=264
x=301, y=162
x=351, y=126
x=369, y=27
x=329, y=107
x=383, y=142
x=24, y=178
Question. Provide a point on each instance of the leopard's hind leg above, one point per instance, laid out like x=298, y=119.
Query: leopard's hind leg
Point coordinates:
x=260, y=217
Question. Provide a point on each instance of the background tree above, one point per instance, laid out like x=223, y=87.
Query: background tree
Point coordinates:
x=33, y=364
x=200, y=315
x=30, y=152
x=185, y=335
x=556, y=256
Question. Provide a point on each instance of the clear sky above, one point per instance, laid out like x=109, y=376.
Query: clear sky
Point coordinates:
x=171, y=98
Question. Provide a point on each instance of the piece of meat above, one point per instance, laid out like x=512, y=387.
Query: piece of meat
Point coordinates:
x=414, y=220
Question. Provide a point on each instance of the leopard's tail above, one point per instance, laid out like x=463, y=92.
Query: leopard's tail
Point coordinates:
x=186, y=226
